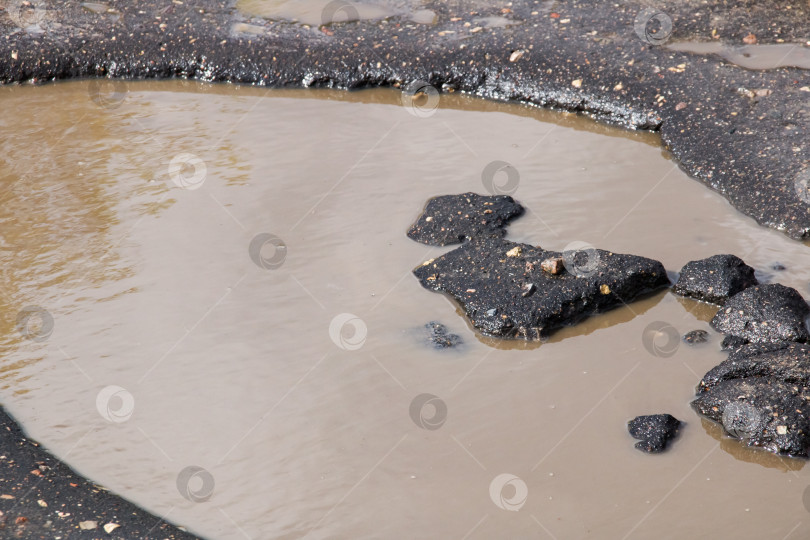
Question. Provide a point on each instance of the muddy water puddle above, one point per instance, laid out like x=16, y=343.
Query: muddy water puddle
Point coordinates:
x=315, y=13
x=318, y=12
x=765, y=56
x=229, y=280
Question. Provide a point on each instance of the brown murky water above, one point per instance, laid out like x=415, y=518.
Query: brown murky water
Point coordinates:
x=318, y=12
x=325, y=12
x=294, y=383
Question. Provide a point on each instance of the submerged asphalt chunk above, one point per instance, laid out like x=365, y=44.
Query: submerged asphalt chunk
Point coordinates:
x=695, y=337
x=439, y=337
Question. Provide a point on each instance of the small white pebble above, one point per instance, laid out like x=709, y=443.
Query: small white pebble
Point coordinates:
x=516, y=55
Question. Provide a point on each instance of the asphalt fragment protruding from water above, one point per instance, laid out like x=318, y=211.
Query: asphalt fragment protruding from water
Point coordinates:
x=490, y=279
x=788, y=362
x=439, y=337
x=696, y=337
x=41, y=497
x=764, y=314
x=653, y=431
x=715, y=279
x=761, y=395
x=452, y=219
x=762, y=411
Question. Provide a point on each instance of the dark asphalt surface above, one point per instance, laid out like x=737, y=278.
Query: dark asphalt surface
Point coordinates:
x=452, y=219
x=715, y=279
x=41, y=497
x=505, y=292
x=765, y=314
x=654, y=431
x=764, y=412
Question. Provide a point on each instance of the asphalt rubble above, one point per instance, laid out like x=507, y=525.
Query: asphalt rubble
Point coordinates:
x=761, y=392
x=510, y=290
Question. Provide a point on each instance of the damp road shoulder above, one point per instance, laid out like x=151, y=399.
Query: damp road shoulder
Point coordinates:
x=42, y=497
